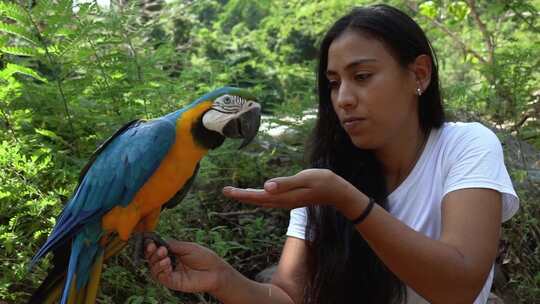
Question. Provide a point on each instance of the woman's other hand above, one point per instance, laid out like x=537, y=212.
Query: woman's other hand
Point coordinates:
x=198, y=268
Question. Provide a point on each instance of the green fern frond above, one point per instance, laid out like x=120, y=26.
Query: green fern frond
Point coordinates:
x=42, y=7
x=14, y=12
x=19, y=50
x=3, y=40
x=19, y=32
x=12, y=68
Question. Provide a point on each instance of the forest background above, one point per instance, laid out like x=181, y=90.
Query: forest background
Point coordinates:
x=72, y=73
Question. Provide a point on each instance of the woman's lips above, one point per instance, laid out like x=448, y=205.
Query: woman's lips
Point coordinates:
x=353, y=123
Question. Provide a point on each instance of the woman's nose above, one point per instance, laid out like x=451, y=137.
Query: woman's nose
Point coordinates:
x=345, y=97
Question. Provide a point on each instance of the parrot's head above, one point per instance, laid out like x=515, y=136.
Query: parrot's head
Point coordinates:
x=234, y=113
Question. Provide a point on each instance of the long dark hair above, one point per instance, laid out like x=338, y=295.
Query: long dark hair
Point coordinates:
x=342, y=268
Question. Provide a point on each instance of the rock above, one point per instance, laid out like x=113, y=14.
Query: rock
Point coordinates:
x=519, y=154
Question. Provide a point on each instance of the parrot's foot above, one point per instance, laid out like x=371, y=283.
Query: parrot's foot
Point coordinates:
x=142, y=239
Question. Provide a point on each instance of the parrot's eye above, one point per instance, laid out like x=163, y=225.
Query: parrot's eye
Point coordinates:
x=227, y=100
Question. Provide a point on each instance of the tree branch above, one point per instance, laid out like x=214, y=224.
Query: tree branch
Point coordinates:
x=447, y=31
x=8, y=125
x=520, y=123
x=488, y=38
x=137, y=67
x=106, y=77
x=534, y=111
x=237, y=213
x=57, y=79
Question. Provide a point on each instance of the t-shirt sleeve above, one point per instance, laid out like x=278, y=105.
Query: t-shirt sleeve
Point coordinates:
x=297, y=223
x=477, y=161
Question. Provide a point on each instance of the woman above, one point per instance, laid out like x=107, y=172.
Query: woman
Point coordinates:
x=399, y=206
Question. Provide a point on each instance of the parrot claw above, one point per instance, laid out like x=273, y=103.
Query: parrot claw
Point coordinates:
x=141, y=240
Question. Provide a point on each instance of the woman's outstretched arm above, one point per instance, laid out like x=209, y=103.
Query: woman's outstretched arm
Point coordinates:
x=451, y=269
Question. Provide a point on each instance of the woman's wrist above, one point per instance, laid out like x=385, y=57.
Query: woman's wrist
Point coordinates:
x=231, y=285
x=351, y=202
x=225, y=277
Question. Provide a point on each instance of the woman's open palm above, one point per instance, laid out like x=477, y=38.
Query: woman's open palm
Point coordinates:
x=307, y=187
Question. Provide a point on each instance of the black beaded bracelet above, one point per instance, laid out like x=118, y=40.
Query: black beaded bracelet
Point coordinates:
x=364, y=213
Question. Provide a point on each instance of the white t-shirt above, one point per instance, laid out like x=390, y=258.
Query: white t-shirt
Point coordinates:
x=456, y=156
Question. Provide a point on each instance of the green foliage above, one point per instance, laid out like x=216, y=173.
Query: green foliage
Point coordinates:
x=486, y=38
x=28, y=206
x=522, y=236
x=69, y=78
x=12, y=68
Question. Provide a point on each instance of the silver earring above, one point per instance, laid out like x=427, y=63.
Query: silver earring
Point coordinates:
x=418, y=91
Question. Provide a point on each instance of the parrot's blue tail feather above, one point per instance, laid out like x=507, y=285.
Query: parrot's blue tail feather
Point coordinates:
x=51, y=288
x=73, y=260
x=67, y=224
x=63, y=231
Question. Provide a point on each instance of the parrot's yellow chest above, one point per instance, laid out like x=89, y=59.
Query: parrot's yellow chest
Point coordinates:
x=174, y=171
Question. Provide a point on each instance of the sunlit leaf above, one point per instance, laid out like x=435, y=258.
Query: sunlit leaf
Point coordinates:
x=14, y=12
x=429, y=9
x=19, y=32
x=459, y=10
x=19, y=50
x=12, y=68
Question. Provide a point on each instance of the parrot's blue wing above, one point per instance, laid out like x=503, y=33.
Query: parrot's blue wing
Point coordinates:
x=104, y=145
x=113, y=177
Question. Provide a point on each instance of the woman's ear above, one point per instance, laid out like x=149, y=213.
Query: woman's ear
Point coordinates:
x=421, y=67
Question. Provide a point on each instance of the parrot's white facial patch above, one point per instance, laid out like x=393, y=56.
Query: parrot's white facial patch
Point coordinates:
x=224, y=109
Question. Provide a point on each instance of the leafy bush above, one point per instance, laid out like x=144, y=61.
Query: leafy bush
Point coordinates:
x=28, y=206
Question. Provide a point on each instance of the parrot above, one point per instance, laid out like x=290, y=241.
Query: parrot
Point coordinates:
x=143, y=168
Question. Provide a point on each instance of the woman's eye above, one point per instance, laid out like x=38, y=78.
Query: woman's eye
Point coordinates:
x=362, y=76
x=333, y=84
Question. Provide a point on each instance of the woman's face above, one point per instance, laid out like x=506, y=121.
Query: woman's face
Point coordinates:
x=372, y=95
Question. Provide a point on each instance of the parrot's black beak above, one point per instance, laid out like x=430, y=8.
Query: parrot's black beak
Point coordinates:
x=244, y=126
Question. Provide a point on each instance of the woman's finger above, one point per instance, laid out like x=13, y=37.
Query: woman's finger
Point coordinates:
x=163, y=265
x=180, y=248
x=287, y=183
x=150, y=249
x=159, y=254
x=289, y=199
x=159, y=266
x=253, y=195
x=166, y=278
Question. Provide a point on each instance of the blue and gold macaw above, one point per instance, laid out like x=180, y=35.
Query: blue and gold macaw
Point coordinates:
x=144, y=167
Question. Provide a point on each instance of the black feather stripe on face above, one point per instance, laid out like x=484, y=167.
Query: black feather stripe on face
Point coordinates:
x=220, y=110
x=205, y=138
x=229, y=104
